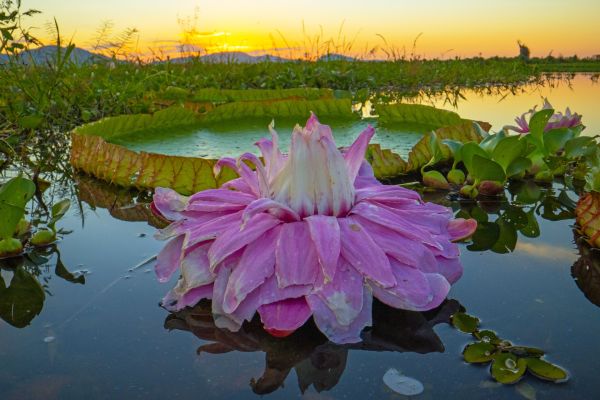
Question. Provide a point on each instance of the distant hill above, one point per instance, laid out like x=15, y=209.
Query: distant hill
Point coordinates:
x=336, y=57
x=44, y=54
x=229, y=57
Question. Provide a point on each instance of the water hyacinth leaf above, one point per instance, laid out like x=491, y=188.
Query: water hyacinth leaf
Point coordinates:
x=485, y=237
x=401, y=384
x=469, y=150
x=59, y=209
x=518, y=167
x=486, y=170
x=507, y=368
x=14, y=195
x=524, y=351
x=580, y=147
x=490, y=143
x=464, y=322
x=507, y=151
x=487, y=336
x=22, y=300
x=538, y=122
x=545, y=370
x=555, y=139
x=479, y=352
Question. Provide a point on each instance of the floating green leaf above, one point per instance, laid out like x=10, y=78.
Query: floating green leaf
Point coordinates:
x=484, y=169
x=487, y=336
x=545, y=370
x=417, y=113
x=507, y=368
x=555, y=139
x=465, y=322
x=479, y=352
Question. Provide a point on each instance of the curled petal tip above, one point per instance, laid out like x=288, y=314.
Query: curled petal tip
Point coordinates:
x=461, y=228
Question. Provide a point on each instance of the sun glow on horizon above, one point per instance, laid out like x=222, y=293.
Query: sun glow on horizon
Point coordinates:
x=384, y=29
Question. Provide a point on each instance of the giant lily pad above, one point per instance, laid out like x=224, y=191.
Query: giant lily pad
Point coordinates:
x=177, y=147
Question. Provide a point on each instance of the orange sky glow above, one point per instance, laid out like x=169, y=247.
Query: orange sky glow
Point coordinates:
x=373, y=29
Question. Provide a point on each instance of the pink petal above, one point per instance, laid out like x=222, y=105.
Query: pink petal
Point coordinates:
x=222, y=319
x=355, y=154
x=359, y=249
x=344, y=295
x=222, y=196
x=405, y=250
x=169, y=203
x=244, y=171
x=173, y=301
x=195, y=267
x=200, y=232
x=234, y=239
x=169, y=258
x=277, y=209
x=255, y=266
x=403, y=225
x=270, y=292
x=213, y=206
x=449, y=268
x=325, y=234
x=328, y=324
x=461, y=228
x=296, y=258
x=415, y=291
x=285, y=315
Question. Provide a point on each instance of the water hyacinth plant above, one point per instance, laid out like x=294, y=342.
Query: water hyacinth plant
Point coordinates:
x=556, y=121
x=311, y=233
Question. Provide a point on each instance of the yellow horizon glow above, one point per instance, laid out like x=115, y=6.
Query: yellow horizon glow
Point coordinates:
x=462, y=28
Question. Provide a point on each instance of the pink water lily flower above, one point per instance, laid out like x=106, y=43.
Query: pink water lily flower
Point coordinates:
x=557, y=120
x=308, y=234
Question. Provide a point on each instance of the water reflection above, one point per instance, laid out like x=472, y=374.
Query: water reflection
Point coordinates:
x=586, y=270
x=25, y=281
x=316, y=361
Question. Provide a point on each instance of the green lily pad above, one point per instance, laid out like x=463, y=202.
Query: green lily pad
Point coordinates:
x=545, y=370
x=479, y=352
x=524, y=351
x=507, y=368
x=464, y=322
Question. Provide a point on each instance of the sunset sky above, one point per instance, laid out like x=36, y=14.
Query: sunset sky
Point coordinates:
x=449, y=28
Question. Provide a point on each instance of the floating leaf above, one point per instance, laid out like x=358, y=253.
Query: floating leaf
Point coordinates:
x=487, y=336
x=580, y=147
x=507, y=368
x=401, y=384
x=465, y=322
x=479, y=352
x=385, y=163
x=417, y=113
x=518, y=167
x=545, y=370
x=468, y=151
x=59, y=209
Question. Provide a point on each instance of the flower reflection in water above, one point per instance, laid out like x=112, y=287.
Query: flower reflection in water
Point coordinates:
x=316, y=361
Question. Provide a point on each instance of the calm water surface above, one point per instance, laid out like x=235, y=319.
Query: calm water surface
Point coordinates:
x=107, y=338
